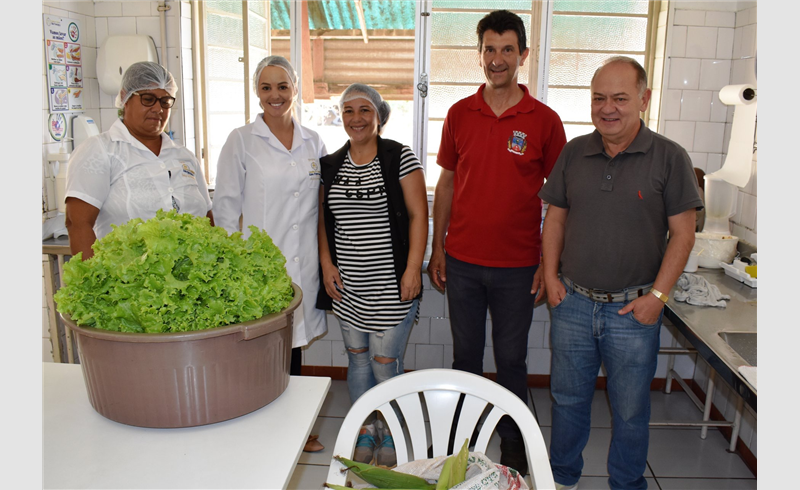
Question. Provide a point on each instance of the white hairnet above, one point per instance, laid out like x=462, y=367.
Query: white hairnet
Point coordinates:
x=274, y=61
x=361, y=91
x=145, y=75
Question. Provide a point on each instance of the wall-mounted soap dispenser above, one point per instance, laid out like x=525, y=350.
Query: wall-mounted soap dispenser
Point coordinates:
x=118, y=53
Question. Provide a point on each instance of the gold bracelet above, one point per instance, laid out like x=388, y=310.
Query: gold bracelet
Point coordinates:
x=658, y=294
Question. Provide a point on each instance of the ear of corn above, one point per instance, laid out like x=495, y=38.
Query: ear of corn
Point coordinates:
x=385, y=478
x=459, y=469
x=444, y=476
x=340, y=487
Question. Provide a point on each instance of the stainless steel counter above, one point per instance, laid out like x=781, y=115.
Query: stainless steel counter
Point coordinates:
x=56, y=246
x=702, y=325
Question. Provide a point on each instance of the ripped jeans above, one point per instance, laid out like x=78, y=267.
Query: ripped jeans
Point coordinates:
x=363, y=371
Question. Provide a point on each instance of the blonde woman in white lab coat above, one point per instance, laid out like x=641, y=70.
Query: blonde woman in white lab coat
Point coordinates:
x=268, y=172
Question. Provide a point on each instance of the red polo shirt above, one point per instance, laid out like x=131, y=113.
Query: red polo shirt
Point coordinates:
x=500, y=164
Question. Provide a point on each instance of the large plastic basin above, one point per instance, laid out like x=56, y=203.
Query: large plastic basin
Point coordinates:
x=187, y=379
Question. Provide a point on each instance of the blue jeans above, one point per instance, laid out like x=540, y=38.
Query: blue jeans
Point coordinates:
x=506, y=292
x=363, y=371
x=585, y=334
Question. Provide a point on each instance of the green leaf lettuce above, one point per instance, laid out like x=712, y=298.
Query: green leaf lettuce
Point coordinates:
x=175, y=273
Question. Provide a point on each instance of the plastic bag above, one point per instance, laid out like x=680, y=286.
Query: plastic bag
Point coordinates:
x=482, y=473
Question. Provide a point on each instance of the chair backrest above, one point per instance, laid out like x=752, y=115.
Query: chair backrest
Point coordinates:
x=440, y=391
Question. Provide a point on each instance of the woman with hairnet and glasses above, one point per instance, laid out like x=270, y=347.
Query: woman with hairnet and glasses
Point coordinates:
x=268, y=174
x=373, y=230
x=133, y=169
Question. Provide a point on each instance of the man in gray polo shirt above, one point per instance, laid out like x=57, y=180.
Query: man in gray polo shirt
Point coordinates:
x=613, y=195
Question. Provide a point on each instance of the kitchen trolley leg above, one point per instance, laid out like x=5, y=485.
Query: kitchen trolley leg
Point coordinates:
x=670, y=367
x=737, y=423
x=709, y=399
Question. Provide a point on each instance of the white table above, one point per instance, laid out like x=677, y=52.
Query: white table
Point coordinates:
x=83, y=449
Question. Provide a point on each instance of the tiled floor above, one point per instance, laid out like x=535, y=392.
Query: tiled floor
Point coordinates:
x=677, y=459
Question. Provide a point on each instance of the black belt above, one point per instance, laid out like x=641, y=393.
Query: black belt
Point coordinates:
x=602, y=296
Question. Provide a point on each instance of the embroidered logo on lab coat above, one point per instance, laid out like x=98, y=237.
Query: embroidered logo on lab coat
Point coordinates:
x=187, y=172
x=518, y=143
x=314, y=173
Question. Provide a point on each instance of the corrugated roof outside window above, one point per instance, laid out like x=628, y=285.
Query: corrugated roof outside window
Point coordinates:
x=327, y=15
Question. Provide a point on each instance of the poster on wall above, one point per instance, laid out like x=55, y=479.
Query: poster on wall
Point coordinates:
x=62, y=38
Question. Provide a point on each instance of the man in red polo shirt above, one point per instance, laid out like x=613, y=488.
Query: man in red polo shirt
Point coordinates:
x=497, y=148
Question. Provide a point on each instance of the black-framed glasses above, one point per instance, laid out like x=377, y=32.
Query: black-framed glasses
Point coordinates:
x=149, y=100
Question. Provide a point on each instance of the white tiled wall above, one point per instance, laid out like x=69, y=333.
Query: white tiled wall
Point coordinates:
x=707, y=50
x=430, y=343
x=142, y=18
x=96, y=21
x=83, y=13
x=708, y=47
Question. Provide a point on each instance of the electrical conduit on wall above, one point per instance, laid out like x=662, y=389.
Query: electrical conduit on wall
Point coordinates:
x=162, y=8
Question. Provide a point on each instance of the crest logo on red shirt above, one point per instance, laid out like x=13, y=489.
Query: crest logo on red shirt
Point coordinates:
x=518, y=143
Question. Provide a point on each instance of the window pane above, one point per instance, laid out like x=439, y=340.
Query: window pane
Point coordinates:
x=258, y=31
x=488, y=5
x=434, y=136
x=226, y=97
x=458, y=29
x=462, y=65
x=448, y=65
x=220, y=126
x=256, y=55
x=432, y=171
x=230, y=7
x=441, y=97
x=605, y=6
x=258, y=7
x=598, y=33
x=571, y=68
x=223, y=31
x=578, y=68
x=573, y=130
x=223, y=125
x=571, y=104
x=224, y=64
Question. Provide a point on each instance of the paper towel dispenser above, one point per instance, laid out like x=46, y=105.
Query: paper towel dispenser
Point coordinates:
x=118, y=53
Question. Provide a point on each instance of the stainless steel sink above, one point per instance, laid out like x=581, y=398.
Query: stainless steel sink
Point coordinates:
x=743, y=343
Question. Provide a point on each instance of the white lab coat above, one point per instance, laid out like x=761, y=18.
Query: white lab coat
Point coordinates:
x=277, y=190
x=121, y=177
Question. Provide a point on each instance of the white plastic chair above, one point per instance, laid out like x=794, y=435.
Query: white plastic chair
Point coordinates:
x=441, y=389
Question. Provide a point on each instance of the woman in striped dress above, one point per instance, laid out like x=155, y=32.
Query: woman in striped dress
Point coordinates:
x=373, y=230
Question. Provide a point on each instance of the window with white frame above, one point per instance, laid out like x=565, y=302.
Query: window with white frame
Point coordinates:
x=582, y=35
x=421, y=55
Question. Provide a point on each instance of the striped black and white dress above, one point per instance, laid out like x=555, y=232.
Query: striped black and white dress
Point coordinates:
x=371, y=297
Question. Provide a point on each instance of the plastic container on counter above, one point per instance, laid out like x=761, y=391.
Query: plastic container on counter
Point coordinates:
x=189, y=378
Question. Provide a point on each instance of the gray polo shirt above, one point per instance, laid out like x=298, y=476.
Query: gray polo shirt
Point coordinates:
x=616, y=228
